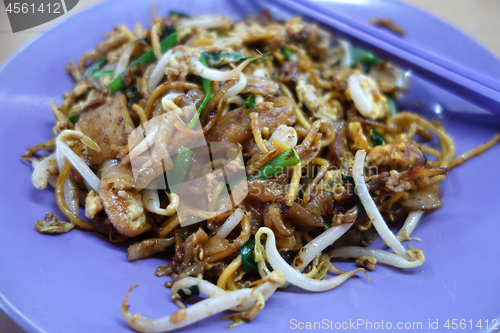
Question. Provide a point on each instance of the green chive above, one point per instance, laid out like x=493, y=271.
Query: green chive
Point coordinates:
x=359, y=205
x=250, y=102
x=148, y=58
x=95, y=66
x=365, y=57
x=328, y=224
x=248, y=263
x=98, y=74
x=377, y=139
x=423, y=154
x=393, y=109
x=180, y=14
x=182, y=165
x=188, y=292
x=287, y=53
x=206, y=85
x=74, y=119
x=167, y=188
x=273, y=75
x=277, y=165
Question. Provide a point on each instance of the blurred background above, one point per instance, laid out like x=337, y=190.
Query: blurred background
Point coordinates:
x=477, y=18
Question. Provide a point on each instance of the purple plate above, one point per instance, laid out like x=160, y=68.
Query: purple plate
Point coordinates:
x=76, y=282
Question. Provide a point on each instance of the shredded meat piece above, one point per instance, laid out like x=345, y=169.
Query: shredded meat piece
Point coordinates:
x=395, y=183
x=262, y=86
x=401, y=153
x=309, y=95
x=265, y=190
x=332, y=182
x=235, y=126
x=122, y=202
x=111, y=138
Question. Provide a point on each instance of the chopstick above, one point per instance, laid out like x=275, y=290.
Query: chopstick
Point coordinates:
x=466, y=83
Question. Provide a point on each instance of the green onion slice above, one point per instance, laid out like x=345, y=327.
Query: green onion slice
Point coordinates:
x=365, y=57
x=188, y=292
x=250, y=102
x=248, y=263
x=377, y=139
x=94, y=67
x=148, y=58
x=98, y=74
x=277, y=165
x=182, y=164
x=180, y=14
x=217, y=59
x=393, y=109
x=287, y=53
x=359, y=205
x=206, y=85
x=74, y=119
x=182, y=167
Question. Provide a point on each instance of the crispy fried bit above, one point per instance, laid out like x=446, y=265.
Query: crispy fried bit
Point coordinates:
x=52, y=225
x=93, y=205
x=358, y=137
x=367, y=262
x=389, y=25
x=401, y=153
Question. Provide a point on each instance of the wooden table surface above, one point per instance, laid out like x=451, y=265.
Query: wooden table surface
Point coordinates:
x=478, y=18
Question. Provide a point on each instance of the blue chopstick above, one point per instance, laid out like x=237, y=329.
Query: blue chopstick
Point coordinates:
x=475, y=87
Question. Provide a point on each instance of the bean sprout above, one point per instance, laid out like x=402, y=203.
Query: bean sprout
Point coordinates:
x=292, y=275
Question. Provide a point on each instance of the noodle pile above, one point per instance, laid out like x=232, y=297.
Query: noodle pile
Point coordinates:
x=331, y=164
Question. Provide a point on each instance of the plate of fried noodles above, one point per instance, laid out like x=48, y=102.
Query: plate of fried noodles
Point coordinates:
x=200, y=165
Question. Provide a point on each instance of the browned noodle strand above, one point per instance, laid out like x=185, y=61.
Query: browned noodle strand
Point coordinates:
x=168, y=226
x=140, y=112
x=257, y=134
x=164, y=88
x=60, y=197
x=215, y=100
x=49, y=144
x=474, y=151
